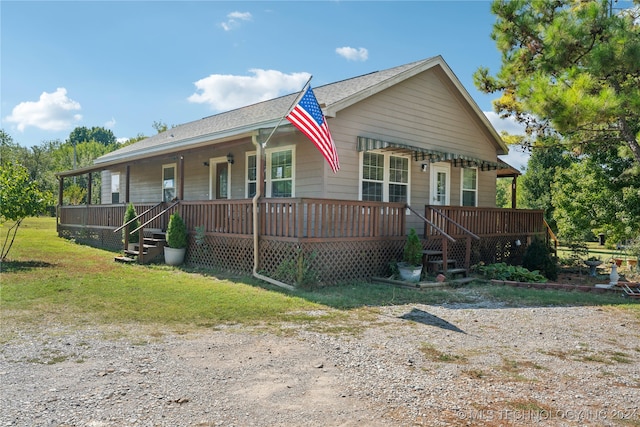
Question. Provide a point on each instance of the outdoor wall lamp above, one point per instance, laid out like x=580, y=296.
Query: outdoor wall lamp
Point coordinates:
x=425, y=166
x=230, y=158
x=205, y=164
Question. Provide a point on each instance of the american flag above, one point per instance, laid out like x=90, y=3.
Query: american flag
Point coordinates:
x=308, y=118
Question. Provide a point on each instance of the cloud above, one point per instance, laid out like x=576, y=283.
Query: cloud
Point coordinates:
x=353, y=54
x=508, y=125
x=225, y=92
x=234, y=19
x=110, y=124
x=53, y=111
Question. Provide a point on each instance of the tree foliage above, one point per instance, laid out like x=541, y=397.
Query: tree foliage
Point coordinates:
x=20, y=197
x=97, y=134
x=572, y=67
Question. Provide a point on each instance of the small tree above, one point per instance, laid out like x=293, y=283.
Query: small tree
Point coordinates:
x=413, y=249
x=176, y=232
x=20, y=197
x=130, y=213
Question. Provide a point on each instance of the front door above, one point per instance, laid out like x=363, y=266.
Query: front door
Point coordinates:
x=219, y=184
x=440, y=183
x=222, y=180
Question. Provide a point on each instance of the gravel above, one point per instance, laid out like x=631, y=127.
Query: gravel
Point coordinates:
x=394, y=366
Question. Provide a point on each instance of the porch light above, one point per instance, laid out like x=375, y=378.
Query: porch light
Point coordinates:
x=425, y=167
x=230, y=158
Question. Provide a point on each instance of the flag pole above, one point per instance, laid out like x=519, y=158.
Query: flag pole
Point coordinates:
x=295, y=101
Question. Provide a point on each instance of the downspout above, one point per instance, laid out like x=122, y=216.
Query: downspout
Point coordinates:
x=256, y=223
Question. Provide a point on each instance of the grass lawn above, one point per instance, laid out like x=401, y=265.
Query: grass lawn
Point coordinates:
x=49, y=279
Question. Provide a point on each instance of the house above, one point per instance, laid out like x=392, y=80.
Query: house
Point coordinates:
x=415, y=152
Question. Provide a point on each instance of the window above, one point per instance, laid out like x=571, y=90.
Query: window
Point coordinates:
x=252, y=175
x=398, y=178
x=168, y=182
x=115, y=188
x=385, y=178
x=279, y=173
x=469, y=186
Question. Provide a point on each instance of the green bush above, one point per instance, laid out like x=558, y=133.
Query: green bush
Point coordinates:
x=129, y=214
x=538, y=257
x=514, y=273
x=413, y=249
x=176, y=232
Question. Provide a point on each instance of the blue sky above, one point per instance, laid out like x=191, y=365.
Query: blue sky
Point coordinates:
x=125, y=64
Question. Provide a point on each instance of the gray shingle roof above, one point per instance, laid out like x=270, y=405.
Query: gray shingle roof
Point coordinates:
x=263, y=114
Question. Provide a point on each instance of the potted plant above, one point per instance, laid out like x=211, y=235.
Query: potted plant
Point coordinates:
x=176, y=240
x=410, y=268
x=134, y=238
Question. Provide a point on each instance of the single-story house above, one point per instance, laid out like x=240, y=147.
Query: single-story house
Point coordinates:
x=415, y=151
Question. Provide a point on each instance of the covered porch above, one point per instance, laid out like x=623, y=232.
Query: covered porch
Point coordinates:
x=337, y=240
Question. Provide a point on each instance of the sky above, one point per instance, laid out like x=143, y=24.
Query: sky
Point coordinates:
x=124, y=65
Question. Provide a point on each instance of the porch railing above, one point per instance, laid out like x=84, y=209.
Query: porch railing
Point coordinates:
x=484, y=221
x=286, y=218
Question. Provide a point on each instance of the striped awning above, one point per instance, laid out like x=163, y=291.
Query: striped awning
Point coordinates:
x=427, y=154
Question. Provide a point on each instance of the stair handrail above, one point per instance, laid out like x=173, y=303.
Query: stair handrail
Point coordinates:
x=164, y=211
x=137, y=217
x=551, y=234
x=438, y=229
x=460, y=226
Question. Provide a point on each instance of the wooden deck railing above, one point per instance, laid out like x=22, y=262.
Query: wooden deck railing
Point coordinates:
x=288, y=218
x=484, y=221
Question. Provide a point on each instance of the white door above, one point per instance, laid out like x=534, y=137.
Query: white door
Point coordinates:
x=440, y=183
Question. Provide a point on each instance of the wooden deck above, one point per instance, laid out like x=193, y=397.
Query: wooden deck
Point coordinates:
x=341, y=239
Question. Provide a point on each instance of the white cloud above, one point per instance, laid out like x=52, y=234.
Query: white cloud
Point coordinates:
x=353, y=54
x=224, y=92
x=53, y=111
x=110, y=124
x=508, y=125
x=234, y=19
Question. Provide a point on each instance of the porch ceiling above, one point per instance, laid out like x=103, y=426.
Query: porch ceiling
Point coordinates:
x=419, y=153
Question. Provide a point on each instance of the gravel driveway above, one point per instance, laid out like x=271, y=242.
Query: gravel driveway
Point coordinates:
x=397, y=366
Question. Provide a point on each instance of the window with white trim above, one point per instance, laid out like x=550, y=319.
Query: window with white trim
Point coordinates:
x=469, y=187
x=168, y=182
x=384, y=178
x=115, y=187
x=279, y=173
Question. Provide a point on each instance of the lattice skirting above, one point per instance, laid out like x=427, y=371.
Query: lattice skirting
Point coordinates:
x=329, y=262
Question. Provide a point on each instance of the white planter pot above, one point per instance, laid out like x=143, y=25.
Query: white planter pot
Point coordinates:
x=174, y=256
x=410, y=273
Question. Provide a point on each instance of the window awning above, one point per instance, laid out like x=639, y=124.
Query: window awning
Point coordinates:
x=427, y=154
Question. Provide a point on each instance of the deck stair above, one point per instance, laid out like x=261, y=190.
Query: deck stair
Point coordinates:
x=433, y=262
x=152, y=247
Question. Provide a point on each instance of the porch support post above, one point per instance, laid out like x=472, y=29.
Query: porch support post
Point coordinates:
x=126, y=184
x=60, y=187
x=181, y=179
x=513, y=191
x=89, y=188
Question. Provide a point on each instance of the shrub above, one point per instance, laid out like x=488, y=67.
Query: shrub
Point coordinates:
x=129, y=214
x=176, y=232
x=502, y=271
x=538, y=257
x=413, y=249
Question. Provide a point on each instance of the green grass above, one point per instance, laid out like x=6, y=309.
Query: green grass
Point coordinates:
x=47, y=278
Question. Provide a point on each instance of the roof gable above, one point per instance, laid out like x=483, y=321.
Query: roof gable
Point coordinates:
x=247, y=121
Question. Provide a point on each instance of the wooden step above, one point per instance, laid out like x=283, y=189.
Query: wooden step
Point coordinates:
x=455, y=271
x=440, y=262
x=431, y=253
x=125, y=259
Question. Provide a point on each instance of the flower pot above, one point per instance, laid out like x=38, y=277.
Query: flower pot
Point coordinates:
x=409, y=273
x=173, y=256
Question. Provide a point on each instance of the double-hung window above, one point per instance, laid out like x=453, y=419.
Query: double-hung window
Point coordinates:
x=168, y=182
x=469, y=186
x=384, y=178
x=279, y=173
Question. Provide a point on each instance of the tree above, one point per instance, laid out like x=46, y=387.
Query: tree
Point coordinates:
x=543, y=166
x=98, y=134
x=571, y=67
x=20, y=197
